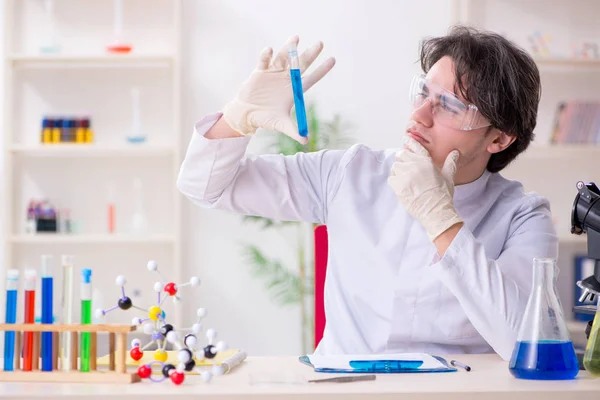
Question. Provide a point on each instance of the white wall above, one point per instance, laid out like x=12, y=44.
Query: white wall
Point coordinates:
x=376, y=47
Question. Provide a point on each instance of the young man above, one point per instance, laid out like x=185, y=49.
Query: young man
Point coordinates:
x=431, y=249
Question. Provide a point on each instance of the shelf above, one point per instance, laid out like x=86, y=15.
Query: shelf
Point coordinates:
x=53, y=238
x=91, y=150
x=40, y=82
x=561, y=151
x=97, y=59
x=567, y=62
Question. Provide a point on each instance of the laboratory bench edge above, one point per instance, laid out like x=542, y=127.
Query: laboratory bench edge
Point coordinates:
x=286, y=378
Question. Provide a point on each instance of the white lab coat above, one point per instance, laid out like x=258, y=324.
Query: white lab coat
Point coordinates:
x=386, y=288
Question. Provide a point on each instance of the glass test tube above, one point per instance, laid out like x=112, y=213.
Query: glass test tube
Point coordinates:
x=47, y=310
x=67, y=310
x=297, y=90
x=12, y=284
x=86, y=317
x=29, y=318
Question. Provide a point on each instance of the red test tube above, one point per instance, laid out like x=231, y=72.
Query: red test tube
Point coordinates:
x=30, y=281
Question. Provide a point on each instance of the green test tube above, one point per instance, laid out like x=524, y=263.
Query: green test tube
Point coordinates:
x=86, y=318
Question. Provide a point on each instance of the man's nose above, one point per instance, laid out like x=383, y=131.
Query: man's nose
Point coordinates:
x=423, y=114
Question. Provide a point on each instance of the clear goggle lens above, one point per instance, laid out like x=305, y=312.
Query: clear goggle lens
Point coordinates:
x=446, y=108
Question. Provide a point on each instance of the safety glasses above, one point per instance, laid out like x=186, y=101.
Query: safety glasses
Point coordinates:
x=446, y=108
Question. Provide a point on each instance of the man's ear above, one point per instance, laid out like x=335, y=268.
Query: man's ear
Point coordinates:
x=501, y=141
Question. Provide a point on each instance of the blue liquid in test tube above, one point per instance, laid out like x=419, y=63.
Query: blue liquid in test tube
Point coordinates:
x=298, y=92
x=12, y=284
x=47, y=295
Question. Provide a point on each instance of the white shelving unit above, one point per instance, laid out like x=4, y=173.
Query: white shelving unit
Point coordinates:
x=544, y=62
x=30, y=60
x=92, y=239
x=82, y=150
x=563, y=152
x=551, y=169
x=83, y=76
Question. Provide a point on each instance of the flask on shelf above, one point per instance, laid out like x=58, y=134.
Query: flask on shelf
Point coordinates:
x=50, y=44
x=118, y=46
x=136, y=135
x=139, y=221
x=112, y=212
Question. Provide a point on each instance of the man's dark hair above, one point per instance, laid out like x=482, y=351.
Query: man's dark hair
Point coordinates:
x=497, y=76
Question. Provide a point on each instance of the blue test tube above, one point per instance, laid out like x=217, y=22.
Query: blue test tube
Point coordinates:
x=12, y=284
x=297, y=89
x=47, y=295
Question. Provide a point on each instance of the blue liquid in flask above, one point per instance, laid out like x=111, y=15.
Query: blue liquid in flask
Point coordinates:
x=544, y=360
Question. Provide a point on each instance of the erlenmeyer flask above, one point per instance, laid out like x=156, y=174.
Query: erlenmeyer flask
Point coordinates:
x=544, y=349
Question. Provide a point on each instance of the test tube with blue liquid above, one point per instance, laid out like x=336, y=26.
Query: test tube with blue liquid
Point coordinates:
x=47, y=307
x=544, y=350
x=297, y=89
x=12, y=285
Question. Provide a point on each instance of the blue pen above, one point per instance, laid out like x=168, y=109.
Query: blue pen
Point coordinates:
x=383, y=366
x=298, y=92
x=47, y=294
x=12, y=284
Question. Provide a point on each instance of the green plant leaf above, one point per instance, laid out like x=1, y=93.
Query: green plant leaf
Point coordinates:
x=287, y=146
x=255, y=257
x=266, y=222
x=314, y=136
x=284, y=286
x=333, y=134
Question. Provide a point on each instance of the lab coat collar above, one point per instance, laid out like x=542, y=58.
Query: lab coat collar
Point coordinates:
x=472, y=189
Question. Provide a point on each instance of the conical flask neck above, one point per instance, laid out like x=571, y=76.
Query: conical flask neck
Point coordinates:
x=543, y=318
x=544, y=273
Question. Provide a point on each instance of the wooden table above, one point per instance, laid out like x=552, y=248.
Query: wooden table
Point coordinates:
x=285, y=378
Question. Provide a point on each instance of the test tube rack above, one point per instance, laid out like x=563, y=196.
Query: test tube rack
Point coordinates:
x=116, y=372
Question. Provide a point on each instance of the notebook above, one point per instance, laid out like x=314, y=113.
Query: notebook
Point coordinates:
x=378, y=363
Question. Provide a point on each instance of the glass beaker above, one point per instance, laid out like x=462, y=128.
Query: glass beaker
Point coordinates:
x=591, y=357
x=544, y=349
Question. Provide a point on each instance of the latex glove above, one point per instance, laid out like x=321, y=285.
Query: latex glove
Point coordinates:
x=425, y=190
x=265, y=99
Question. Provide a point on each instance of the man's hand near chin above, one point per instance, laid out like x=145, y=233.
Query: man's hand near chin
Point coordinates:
x=427, y=192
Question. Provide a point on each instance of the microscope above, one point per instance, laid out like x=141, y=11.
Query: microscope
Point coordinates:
x=585, y=217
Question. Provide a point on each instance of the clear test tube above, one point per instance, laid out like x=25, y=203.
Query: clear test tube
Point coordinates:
x=67, y=310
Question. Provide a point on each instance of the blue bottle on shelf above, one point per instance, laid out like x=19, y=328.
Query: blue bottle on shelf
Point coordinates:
x=544, y=350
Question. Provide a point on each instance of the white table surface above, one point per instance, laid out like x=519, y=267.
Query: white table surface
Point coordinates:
x=286, y=378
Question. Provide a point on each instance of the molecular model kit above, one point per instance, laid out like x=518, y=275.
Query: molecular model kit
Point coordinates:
x=189, y=352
